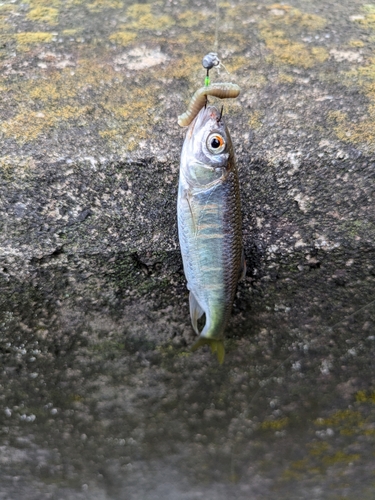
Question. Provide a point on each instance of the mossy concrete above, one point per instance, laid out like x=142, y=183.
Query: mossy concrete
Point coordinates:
x=101, y=396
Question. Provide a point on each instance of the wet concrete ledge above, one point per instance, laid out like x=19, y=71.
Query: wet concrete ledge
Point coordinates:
x=101, y=396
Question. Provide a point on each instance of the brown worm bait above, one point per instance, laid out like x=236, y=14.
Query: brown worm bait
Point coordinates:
x=199, y=99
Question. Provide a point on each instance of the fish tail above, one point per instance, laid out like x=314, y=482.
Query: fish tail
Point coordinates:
x=217, y=346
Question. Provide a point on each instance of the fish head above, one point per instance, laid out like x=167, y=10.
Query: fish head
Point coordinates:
x=207, y=151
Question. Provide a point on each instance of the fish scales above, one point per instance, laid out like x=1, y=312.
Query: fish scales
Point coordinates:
x=209, y=223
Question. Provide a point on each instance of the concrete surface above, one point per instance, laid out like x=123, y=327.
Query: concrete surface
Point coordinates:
x=100, y=396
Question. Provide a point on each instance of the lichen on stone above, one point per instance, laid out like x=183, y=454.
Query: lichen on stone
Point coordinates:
x=278, y=32
x=369, y=18
x=98, y=5
x=255, y=120
x=32, y=37
x=123, y=37
x=141, y=17
x=363, y=129
x=293, y=16
x=190, y=18
x=43, y=105
x=43, y=14
x=274, y=425
x=286, y=78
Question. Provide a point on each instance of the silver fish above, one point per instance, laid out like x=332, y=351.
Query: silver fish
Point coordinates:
x=209, y=225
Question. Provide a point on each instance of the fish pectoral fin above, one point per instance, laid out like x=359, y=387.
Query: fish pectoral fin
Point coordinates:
x=196, y=312
x=243, y=266
x=217, y=346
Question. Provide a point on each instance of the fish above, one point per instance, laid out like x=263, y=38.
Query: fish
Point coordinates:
x=210, y=226
x=222, y=90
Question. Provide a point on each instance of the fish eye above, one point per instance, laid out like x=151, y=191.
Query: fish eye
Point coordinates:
x=215, y=143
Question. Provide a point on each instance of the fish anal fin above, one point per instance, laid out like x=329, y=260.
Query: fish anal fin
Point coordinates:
x=196, y=312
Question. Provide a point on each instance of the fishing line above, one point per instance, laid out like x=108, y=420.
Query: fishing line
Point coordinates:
x=216, y=45
x=211, y=59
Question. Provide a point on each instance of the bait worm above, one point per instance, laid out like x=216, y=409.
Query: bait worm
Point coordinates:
x=199, y=99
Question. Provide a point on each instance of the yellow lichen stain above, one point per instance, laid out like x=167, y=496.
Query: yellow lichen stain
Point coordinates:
x=237, y=62
x=141, y=17
x=111, y=134
x=349, y=422
x=193, y=39
x=77, y=397
x=184, y=354
x=123, y=37
x=369, y=19
x=45, y=93
x=4, y=28
x=70, y=32
x=99, y=5
x=129, y=115
x=362, y=130
x=59, y=88
x=74, y=3
x=337, y=116
x=324, y=454
x=7, y=8
x=43, y=14
x=255, y=120
x=295, y=470
x=274, y=425
x=286, y=51
x=365, y=397
x=190, y=18
x=356, y=43
x=255, y=79
x=293, y=16
x=187, y=67
x=369, y=432
x=319, y=448
x=286, y=78
x=68, y=112
x=340, y=457
x=123, y=111
x=24, y=40
x=299, y=464
x=276, y=31
x=320, y=456
x=25, y=126
x=341, y=418
x=45, y=3
x=291, y=475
